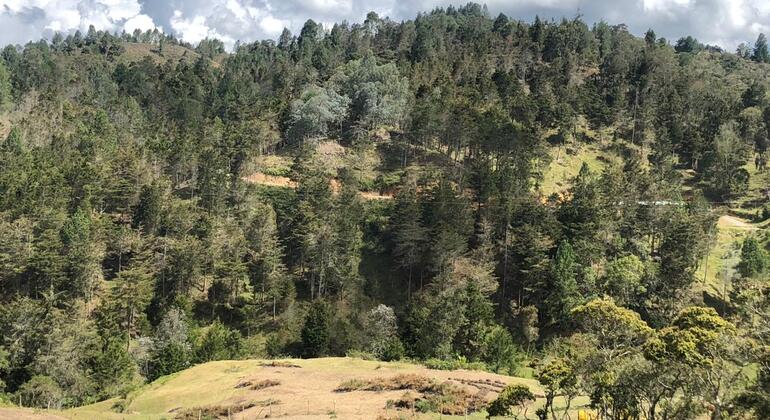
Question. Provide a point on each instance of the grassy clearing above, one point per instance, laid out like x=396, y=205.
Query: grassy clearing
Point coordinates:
x=566, y=162
x=299, y=388
x=273, y=165
x=715, y=273
x=751, y=202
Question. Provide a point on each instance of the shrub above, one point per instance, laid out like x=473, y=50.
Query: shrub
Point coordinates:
x=381, y=330
x=256, y=386
x=404, y=381
x=41, y=391
x=358, y=354
x=500, y=353
x=454, y=364
x=512, y=395
x=449, y=399
x=219, y=343
x=394, y=350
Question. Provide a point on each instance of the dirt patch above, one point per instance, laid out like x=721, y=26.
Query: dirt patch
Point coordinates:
x=27, y=414
x=330, y=149
x=270, y=180
x=727, y=221
x=285, y=182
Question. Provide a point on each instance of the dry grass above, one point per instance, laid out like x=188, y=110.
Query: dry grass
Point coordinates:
x=444, y=398
x=717, y=269
x=428, y=396
x=286, y=182
x=279, y=363
x=27, y=414
x=221, y=411
x=399, y=382
x=309, y=392
x=256, y=386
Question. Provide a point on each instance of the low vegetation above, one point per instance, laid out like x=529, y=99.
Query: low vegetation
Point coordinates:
x=219, y=411
x=424, y=394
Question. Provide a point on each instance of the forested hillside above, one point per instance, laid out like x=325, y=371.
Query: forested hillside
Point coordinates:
x=529, y=198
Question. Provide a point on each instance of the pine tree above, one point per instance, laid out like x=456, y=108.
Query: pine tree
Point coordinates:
x=754, y=259
x=564, y=294
x=408, y=232
x=148, y=211
x=761, y=53
x=315, y=333
x=6, y=98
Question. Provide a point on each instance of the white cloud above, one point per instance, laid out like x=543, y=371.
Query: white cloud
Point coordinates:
x=665, y=6
x=40, y=18
x=271, y=25
x=141, y=22
x=726, y=22
x=228, y=20
x=194, y=30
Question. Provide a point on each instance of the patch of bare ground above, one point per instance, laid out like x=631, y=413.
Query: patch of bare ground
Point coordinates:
x=734, y=222
x=26, y=414
x=286, y=182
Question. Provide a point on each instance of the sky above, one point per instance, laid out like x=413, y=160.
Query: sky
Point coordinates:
x=726, y=23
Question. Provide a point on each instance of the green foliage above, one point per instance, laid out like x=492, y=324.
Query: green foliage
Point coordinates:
x=558, y=376
x=624, y=279
x=615, y=327
x=133, y=231
x=115, y=372
x=6, y=98
x=518, y=396
x=147, y=214
x=754, y=259
x=4, y=365
x=218, y=343
x=169, y=359
x=564, y=294
x=171, y=349
x=501, y=354
x=315, y=333
x=761, y=53
x=41, y=391
x=315, y=112
x=454, y=364
x=695, y=338
x=378, y=94
x=757, y=397
x=724, y=165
